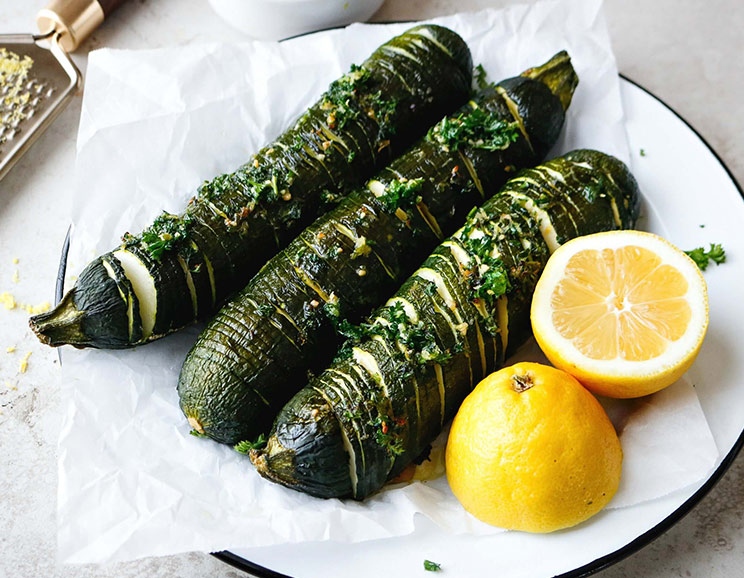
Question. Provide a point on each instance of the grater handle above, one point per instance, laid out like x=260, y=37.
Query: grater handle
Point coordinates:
x=74, y=20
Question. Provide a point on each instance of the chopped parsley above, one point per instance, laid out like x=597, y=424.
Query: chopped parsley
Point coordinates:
x=479, y=78
x=386, y=434
x=383, y=110
x=491, y=283
x=265, y=309
x=489, y=279
x=246, y=446
x=643, y=152
x=402, y=193
x=478, y=129
x=197, y=434
x=345, y=100
x=166, y=232
x=341, y=96
x=256, y=180
x=417, y=337
x=329, y=198
x=432, y=566
x=703, y=257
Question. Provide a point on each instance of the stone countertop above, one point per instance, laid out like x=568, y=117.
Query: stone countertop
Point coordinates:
x=687, y=52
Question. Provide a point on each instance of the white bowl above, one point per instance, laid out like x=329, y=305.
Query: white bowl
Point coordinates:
x=277, y=19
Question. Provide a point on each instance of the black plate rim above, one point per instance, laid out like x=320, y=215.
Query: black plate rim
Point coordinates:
x=600, y=563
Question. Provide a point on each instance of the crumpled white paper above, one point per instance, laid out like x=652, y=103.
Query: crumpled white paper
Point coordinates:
x=155, y=123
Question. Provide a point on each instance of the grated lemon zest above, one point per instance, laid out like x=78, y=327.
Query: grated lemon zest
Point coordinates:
x=24, y=363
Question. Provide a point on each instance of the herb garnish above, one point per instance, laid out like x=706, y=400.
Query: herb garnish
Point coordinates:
x=346, y=101
x=417, y=337
x=246, y=446
x=479, y=78
x=432, y=566
x=402, y=193
x=257, y=181
x=488, y=277
x=477, y=129
x=328, y=198
x=702, y=257
x=165, y=233
x=383, y=110
x=341, y=96
x=386, y=434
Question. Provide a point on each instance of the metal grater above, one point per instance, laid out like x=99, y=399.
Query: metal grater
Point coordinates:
x=32, y=92
x=37, y=77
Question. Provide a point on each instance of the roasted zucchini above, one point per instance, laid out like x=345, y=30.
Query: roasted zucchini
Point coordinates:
x=453, y=322
x=181, y=268
x=249, y=360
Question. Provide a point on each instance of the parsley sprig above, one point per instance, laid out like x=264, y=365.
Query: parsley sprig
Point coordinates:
x=480, y=80
x=432, y=566
x=246, y=446
x=702, y=257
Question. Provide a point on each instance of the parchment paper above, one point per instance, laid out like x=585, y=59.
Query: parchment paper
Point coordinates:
x=155, y=123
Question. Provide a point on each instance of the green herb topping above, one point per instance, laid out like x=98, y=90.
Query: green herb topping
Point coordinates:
x=416, y=337
x=345, y=100
x=386, y=434
x=703, y=257
x=402, y=193
x=488, y=276
x=477, y=129
x=432, y=566
x=246, y=446
x=342, y=94
x=480, y=81
x=167, y=232
x=328, y=198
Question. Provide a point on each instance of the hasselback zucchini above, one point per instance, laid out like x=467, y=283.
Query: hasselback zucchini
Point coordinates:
x=376, y=409
x=182, y=267
x=248, y=361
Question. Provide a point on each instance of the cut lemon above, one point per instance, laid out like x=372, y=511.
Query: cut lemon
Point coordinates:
x=625, y=312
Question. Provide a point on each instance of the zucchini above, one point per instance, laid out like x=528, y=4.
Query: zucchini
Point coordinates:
x=247, y=362
x=453, y=322
x=181, y=268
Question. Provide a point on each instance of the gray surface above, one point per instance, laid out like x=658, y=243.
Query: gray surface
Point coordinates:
x=687, y=52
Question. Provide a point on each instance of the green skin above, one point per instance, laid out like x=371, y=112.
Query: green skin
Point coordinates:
x=248, y=361
x=306, y=449
x=237, y=221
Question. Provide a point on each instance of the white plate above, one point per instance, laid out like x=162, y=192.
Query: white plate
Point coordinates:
x=692, y=199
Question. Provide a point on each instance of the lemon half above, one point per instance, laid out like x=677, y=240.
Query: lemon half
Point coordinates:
x=530, y=449
x=625, y=312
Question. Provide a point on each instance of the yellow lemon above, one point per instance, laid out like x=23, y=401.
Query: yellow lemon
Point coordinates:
x=531, y=449
x=625, y=312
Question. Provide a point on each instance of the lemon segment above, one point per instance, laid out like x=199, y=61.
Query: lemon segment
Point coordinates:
x=625, y=312
x=530, y=449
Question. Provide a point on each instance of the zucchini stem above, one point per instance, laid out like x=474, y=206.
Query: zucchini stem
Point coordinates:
x=61, y=325
x=558, y=75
